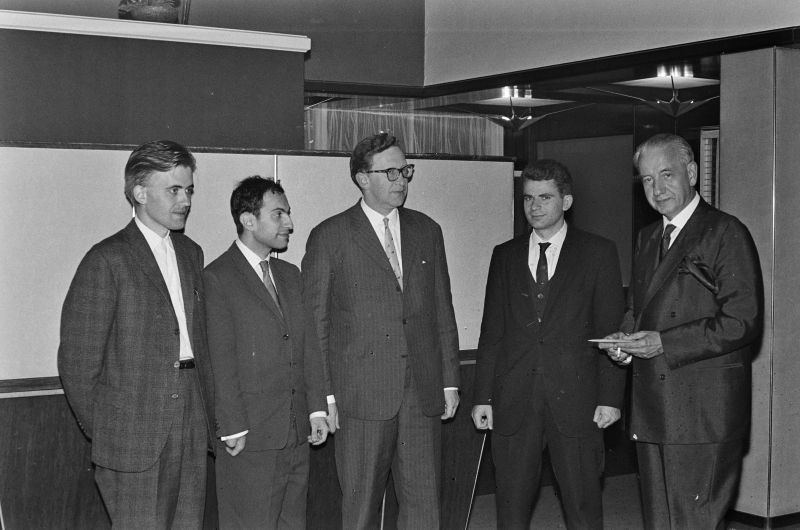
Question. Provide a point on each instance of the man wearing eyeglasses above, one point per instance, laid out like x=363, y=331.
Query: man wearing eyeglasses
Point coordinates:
x=375, y=277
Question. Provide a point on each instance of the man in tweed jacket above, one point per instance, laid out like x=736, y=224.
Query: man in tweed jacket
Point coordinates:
x=132, y=357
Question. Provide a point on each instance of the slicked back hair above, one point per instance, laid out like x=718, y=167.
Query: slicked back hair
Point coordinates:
x=665, y=140
x=547, y=169
x=248, y=197
x=152, y=157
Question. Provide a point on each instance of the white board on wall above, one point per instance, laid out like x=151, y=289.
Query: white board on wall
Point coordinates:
x=57, y=203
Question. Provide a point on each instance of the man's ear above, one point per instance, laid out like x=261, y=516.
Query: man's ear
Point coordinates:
x=567, y=202
x=248, y=220
x=140, y=194
x=362, y=179
x=691, y=170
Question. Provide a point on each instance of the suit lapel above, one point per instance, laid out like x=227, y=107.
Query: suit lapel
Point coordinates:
x=142, y=256
x=410, y=250
x=252, y=281
x=364, y=236
x=521, y=278
x=186, y=273
x=568, y=261
x=687, y=239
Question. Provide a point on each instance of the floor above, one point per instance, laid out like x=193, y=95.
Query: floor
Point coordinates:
x=620, y=508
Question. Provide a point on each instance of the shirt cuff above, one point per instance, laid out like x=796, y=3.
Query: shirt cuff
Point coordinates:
x=318, y=414
x=451, y=388
x=234, y=436
x=331, y=399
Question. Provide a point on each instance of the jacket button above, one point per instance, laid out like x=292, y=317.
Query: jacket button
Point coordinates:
x=177, y=364
x=293, y=391
x=405, y=321
x=397, y=289
x=174, y=396
x=662, y=377
x=286, y=336
x=634, y=436
x=540, y=296
x=177, y=331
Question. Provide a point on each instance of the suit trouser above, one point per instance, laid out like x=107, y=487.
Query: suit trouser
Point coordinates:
x=264, y=489
x=688, y=486
x=171, y=494
x=410, y=445
x=577, y=465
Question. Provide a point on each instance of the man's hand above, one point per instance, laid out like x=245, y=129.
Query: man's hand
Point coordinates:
x=613, y=350
x=482, y=417
x=333, y=418
x=645, y=345
x=319, y=430
x=450, y=404
x=236, y=445
x=606, y=416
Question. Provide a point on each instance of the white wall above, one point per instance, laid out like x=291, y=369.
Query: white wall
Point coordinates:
x=57, y=203
x=466, y=39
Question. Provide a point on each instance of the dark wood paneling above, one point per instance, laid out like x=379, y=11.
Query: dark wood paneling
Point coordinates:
x=85, y=89
x=46, y=478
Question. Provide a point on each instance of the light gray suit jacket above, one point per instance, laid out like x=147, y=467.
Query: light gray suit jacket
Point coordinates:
x=369, y=328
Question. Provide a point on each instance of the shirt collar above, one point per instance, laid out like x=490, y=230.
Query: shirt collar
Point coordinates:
x=557, y=240
x=252, y=258
x=376, y=218
x=680, y=220
x=153, y=238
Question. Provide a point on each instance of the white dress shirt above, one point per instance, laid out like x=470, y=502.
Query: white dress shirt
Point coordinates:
x=164, y=252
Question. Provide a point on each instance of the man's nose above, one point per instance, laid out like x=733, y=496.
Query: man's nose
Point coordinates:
x=289, y=223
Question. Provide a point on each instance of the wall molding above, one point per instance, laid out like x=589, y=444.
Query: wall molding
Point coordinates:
x=130, y=29
x=29, y=387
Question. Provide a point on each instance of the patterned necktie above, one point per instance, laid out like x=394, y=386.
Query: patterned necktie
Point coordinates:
x=541, y=267
x=391, y=253
x=267, y=279
x=665, y=241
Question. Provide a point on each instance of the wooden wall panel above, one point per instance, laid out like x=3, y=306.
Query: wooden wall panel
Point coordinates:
x=46, y=478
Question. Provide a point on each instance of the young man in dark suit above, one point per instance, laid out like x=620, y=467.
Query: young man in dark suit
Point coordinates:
x=691, y=330
x=375, y=277
x=268, y=372
x=133, y=357
x=539, y=382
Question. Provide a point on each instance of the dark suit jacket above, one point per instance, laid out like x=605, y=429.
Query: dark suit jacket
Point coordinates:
x=368, y=327
x=120, y=347
x=585, y=301
x=706, y=300
x=266, y=365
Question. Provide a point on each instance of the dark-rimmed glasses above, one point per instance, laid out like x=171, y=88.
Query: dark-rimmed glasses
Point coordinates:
x=394, y=173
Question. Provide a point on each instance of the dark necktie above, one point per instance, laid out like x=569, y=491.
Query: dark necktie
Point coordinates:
x=267, y=279
x=541, y=267
x=665, y=241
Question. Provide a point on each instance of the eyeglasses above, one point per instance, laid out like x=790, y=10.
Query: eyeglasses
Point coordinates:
x=394, y=173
